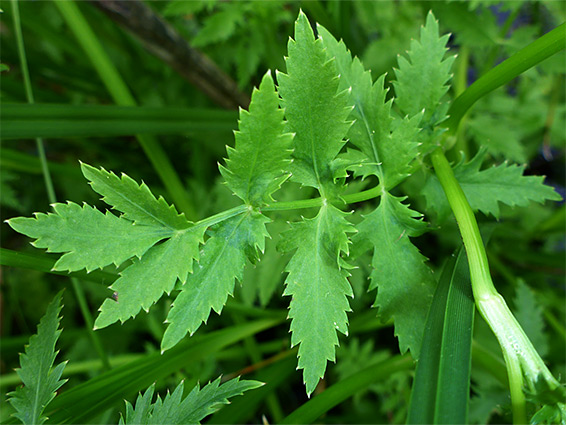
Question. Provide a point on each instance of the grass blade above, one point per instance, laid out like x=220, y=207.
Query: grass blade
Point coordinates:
x=346, y=388
x=45, y=262
x=442, y=382
x=22, y=121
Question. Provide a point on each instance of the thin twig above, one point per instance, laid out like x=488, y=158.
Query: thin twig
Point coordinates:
x=162, y=40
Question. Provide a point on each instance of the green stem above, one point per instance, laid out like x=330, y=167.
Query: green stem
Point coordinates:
x=79, y=293
x=520, y=355
x=122, y=96
x=516, y=388
x=531, y=55
x=460, y=85
x=30, y=97
x=477, y=257
x=353, y=198
x=224, y=215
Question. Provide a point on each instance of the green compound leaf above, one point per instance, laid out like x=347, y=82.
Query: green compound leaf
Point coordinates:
x=421, y=80
x=255, y=168
x=89, y=238
x=314, y=109
x=485, y=189
x=318, y=284
x=40, y=380
x=405, y=284
x=134, y=200
x=173, y=409
x=389, y=146
x=222, y=261
x=143, y=283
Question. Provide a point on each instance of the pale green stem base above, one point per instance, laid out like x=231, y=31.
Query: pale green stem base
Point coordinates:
x=521, y=358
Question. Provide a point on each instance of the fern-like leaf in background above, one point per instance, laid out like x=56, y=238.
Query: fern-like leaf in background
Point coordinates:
x=40, y=379
x=173, y=409
x=485, y=189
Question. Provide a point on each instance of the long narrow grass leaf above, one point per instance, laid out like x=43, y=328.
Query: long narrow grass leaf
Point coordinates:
x=342, y=390
x=442, y=382
x=22, y=121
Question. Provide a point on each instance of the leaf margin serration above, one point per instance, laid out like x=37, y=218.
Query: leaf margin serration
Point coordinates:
x=261, y=130
x=247, y=244
x=86, y=216
x=113, y=191
x=171, y=261
x=310, y=359
x=388, y=142
x=309, y=87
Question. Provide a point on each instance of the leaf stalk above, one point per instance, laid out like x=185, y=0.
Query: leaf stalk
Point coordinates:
x=539, y=50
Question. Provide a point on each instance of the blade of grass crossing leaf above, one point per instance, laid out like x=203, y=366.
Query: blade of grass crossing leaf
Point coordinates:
x=86, y=400
x=122, y=96
x=442, y=382
x=342, y=390
x=45, y=263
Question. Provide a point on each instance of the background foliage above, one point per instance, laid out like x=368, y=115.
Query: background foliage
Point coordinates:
x=523, y=122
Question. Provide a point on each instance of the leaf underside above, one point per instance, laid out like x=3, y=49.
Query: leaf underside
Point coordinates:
x=404, y=283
